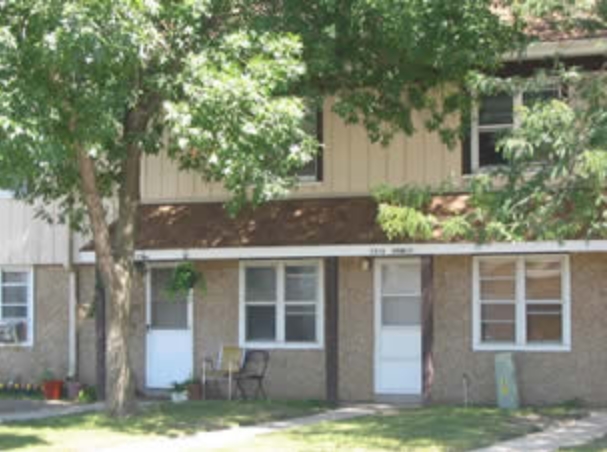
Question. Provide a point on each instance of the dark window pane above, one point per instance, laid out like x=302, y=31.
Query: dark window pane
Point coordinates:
x=498, y=289
x=497, y=312
x=497, y=332
x=530, y=98
x=13, y=332
x=161, y=279
x=301, y=283
x=309, y=171
x=170, y=315
x=14, y=295
x=488, y=153
x=543, y=280
x=14, y=312
x=15, y=277
x=496, y=110
x=260, y=323
x=300, y=324
x=544, y=323
x=312, y=125
x=260, y=284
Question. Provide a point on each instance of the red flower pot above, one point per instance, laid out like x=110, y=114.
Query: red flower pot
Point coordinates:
x=52, y=389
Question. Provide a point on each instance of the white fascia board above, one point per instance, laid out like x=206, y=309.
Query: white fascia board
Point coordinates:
x=565, y=48
x=372, y=250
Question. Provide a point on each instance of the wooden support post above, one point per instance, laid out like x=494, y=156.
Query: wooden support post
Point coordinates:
x=427, y=325
x=100, y=330
x=331, y=265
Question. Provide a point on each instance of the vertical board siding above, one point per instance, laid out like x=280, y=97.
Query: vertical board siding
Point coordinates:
x=27, y=240
x=352, y=166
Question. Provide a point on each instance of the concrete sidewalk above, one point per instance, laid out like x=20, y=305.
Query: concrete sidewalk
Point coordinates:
x=241, y=435
x=26, y=410
x=565, y=434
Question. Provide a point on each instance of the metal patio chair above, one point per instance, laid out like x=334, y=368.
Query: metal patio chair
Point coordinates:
x=224, y=368
x=253, y=370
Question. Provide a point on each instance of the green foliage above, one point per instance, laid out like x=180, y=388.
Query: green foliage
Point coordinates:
x=408, y=195
x=185, y=277
x=226, y=81
x=553, y=185
x=405, y=222
x=87, y=394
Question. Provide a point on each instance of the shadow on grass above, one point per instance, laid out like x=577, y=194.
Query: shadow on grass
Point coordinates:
x=11, y=442
x=172, y=420
x=443, y=428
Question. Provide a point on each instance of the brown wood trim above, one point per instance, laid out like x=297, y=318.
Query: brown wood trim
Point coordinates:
x=100, y=331
x=427, y=326
x=331, y=265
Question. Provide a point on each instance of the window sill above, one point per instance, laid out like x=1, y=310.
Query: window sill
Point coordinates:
x=16, y=346
x=281, y=345
x=521, y=348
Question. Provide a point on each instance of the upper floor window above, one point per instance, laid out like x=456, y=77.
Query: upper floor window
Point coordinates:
x=281, y=304
x=521, y=303
x=16, y=307
x=494, y=117
x=313, y=170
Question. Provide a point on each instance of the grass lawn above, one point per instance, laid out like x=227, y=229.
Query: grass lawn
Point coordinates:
x=95, y=430
x=424, y=429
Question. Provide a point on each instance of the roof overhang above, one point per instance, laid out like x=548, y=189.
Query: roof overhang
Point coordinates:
x=565, y=49
x=372, y=250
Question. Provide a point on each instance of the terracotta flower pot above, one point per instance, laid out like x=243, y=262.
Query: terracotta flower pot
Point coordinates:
x=52, y=389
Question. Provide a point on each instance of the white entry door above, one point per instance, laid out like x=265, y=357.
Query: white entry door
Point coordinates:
x=398, y=340
x=169, y=346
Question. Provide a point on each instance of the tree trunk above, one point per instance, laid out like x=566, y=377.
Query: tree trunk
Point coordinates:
x=120, y=387
x=115, y=253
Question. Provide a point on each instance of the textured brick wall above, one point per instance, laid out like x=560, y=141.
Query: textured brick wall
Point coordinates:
x=543, y=377
x=50, y=349
x=356, y=340
x=292, y=373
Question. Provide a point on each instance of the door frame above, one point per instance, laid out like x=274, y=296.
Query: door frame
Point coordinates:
x=148, y=315
x=377, y=281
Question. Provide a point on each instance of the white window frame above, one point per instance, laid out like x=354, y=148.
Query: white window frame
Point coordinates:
x=280, y=342
x=477, y=128
x=521, y=303
x=30, y=304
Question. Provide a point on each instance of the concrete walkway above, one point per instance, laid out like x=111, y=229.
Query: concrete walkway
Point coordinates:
x=565, y=434
x=30, y=410
x=241, y=435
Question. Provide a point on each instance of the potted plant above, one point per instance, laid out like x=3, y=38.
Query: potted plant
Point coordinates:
x=184, y=278
x=194, y=388
x=179, y=392
x=51, y=386
x=73, y=388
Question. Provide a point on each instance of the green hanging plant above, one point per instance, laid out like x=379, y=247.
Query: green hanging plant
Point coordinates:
x=185, y=278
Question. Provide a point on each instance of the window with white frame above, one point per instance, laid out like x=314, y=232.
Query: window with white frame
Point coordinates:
x=521, y=302
x=313, y=170
x=281, y=304
x=495, y=116
x=16, y=310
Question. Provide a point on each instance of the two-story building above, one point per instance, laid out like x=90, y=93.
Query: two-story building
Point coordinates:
x=312, y=278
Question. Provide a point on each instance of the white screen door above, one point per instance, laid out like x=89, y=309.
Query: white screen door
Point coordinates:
x=169, y=350
x=398, y=347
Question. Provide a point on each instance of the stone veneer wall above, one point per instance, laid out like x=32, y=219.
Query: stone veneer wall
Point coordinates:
x=50, y=348
x=544, y=377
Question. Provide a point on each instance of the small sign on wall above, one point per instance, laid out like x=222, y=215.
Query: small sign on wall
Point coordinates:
x=505, y=382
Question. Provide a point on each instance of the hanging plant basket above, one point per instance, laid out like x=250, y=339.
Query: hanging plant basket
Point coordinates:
x=185, y=278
